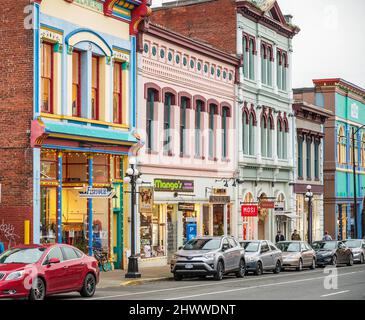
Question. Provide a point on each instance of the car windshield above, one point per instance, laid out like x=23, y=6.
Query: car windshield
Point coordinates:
x=289, y=246
x=324, y=245
x=22, y=255
x=203, y=244
x=251, y=246
x=353, y=243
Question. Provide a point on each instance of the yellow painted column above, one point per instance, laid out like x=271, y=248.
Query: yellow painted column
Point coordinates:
x=125, y=93
x=57, y=70
x=106, y=88
x=69, y=83
x=26, y=232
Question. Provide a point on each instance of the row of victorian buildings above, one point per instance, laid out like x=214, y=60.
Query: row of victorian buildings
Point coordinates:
x=200, y=93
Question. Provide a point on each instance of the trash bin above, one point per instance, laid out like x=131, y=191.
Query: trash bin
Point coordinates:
x=2, y=248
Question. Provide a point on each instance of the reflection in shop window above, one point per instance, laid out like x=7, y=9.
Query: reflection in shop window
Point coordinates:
x=48, y=214
x=74, y=167
x=118, y=168
x=48, y=165
x=101, y=169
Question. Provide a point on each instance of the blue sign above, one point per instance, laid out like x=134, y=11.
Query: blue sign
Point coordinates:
x=191, y=231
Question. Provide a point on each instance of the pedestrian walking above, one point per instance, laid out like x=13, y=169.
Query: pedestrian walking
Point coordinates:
x=327, y=237
x=295, y=236
x=279, y=237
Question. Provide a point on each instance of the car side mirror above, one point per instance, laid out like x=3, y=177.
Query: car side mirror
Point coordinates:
x=180, y=248
x=53, y=261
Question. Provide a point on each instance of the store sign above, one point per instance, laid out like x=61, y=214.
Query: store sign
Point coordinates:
x=220, y=199
x=169, y=185
x=267, y=204
x=146, y=199
x=249, y=210
x=220, y=191
x=354, y=111
x=93, y=193
x=279, y=206
x=186, y=206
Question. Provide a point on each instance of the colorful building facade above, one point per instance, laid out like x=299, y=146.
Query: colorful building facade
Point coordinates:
x=310, y=143
x=186, y=117
x=259, y=34
x=347, y=102
x=83, y=122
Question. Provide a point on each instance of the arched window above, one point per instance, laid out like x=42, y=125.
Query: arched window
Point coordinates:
x=252, y=60
x=225, y=115
x=300, y=156
x=167, y=145
x=284, y=66
x=183, y=124
x=269, y=66
x=270, y=127
x=213, y=109
x=245, y=57
x=198, y=127
x=363, y=150
x=251, y=130
x=151, y=94
x=285, y=134
x=263, y=64
x=280, y=139
x=245, y=132
x=279, y=69
x=263, y=125
x=341, y=146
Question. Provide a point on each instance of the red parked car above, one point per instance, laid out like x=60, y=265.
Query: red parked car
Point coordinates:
x=36, y=271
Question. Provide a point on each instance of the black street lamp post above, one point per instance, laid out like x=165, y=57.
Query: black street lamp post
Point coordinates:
x=133, y=177
x=309, y=197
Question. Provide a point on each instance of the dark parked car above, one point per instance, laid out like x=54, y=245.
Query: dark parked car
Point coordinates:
x=358, y=249
x=262, y=255
x=333, y=253
x=37, y=271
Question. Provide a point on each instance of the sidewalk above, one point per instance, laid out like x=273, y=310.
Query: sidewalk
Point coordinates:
x=117, y=278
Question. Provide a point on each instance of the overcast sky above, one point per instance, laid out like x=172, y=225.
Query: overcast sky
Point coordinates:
x=331, y=42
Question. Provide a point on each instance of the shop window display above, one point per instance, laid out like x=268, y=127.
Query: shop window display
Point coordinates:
x=48, y=166
x=101, y=169
x=48, y=215
x=74, y=167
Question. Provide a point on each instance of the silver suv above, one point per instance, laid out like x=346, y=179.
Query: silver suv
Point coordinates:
x=204, y=256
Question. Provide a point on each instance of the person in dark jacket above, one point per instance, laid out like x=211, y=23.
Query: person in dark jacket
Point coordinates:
x=279, y=237
x=295, y=236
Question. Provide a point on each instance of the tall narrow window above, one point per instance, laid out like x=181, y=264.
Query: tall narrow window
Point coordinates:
x=167, y=124
x=150, y=118
x=269, y=66
x=245, y=58
x=279, y=140
x=76, y=84
x=212, y=112
x=263, y=65
x=269, y=137
x=251, y=150
x=95, y=88
x=47, y=78
x=183, y=107
x=198, y=121
x=300, y=157
x=263, y=137
x=117, y=93
x=284, y=72
x=341, y=146
x=316, y=159
x=309, y=156
x=279, y=68
x=284, y=137
x=225, y=113
x=245, y=133
x=252, y=60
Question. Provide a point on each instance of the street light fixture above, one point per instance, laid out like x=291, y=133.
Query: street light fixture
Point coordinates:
x=133, y=177
x=308, y=198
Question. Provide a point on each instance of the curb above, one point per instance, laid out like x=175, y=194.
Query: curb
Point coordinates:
x=142, y=281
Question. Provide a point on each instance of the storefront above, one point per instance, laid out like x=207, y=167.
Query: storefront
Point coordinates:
x=78, y=188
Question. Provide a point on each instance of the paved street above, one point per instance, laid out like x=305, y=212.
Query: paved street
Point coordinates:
x=289, y=285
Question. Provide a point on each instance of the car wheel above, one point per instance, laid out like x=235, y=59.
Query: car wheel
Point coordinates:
x=277, y=267
x=351, y=261
x=242, y=269
x=259, y=270
x=313, y=266
x=38, y=290
x=362, y=260
x=178, y=277
x=89, y=286
x=220, y=271
x=334, y=261
x=300, y=266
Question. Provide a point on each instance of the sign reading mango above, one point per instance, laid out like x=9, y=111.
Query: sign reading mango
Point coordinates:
x=169, y=185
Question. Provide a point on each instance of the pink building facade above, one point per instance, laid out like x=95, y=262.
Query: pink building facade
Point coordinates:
x=186, y=119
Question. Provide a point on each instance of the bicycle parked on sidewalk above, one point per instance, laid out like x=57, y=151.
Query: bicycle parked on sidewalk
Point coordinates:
x=103, y=259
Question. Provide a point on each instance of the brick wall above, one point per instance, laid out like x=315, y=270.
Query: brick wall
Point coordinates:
x=16, y=110
x=213, y=22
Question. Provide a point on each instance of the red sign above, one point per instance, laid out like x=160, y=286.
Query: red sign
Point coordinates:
x=267, y=205
x=249, y=210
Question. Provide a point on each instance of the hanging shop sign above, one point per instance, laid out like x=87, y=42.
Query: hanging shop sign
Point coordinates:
x=170, y=185
x=220, y=199
x=267, y=204
x=249, y=210
x=185, y=206
x=146, y=199
x=279, y=206
x=220, y=191
x=92, y=193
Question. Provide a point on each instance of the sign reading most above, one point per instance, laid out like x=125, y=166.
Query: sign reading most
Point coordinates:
x=169, y=185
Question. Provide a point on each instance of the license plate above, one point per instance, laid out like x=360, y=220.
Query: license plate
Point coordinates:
x=189, y=266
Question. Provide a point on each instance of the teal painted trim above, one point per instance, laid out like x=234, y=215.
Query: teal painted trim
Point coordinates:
x=120, y=232
x=90, y=208
x=64, y=92
x=45, y=25
x=133, y=81
x=122, y=49
x=92, y=32
x=50, y=146
x=36, y=195
x=88, y=131
x=59, y=201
